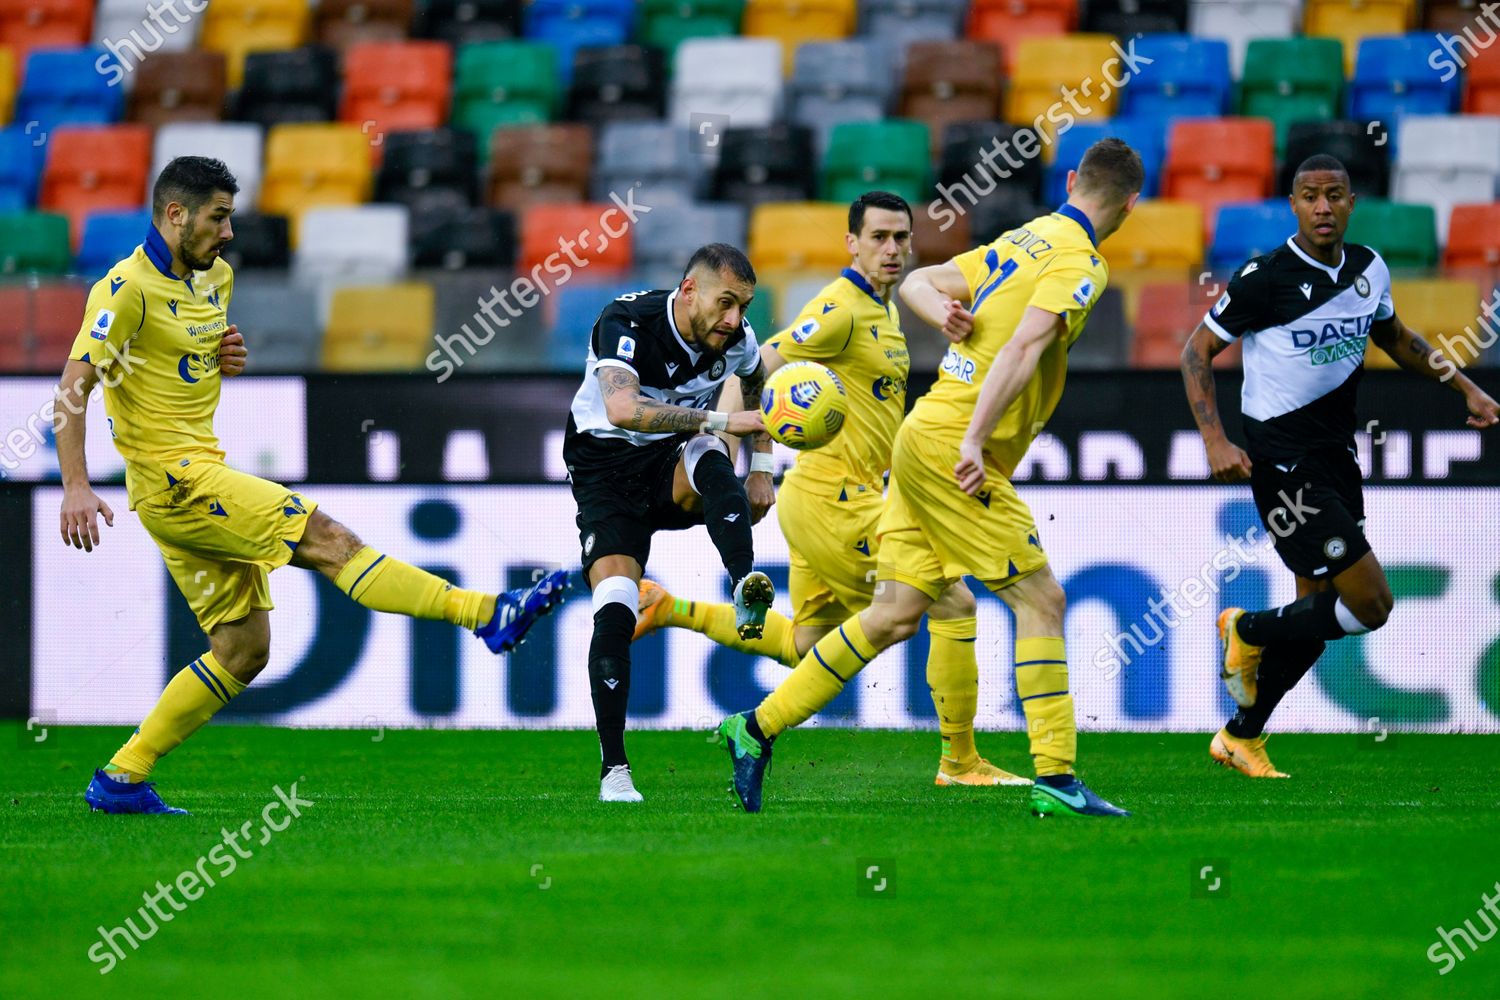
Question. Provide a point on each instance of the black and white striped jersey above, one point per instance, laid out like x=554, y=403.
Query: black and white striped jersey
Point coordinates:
x=637, y=332
x=1305, y=327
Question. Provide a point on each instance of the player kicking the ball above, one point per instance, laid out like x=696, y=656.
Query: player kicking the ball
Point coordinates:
x=1014, y=307
x=830, y=502
x=1305, y=312
x=641, y=460
x=156, y=325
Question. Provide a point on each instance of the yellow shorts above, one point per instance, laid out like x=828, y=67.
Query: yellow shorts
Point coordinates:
x=221, y=532
x=933, y=533
x=833, y=545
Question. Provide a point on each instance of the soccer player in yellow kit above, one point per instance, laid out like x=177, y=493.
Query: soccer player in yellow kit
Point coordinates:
x=154, y=329
x=830, y=501
x=1017, y=305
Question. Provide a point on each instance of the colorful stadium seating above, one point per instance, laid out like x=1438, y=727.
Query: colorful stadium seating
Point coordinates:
x=396, y=87
x=1393, y=78
x=569, y=25
x=946, y=83
x=34, y=243
x=736, y=79
x=1481, y=81
x=1158, y=236
x=1041, y=67
x=379, y=328
x=1440, y=309
x=799, y=235
x=299, y=85
x=906, y=21
x=428, y=168
x=63, y=87
x=666, y=24
x=49, y=319
x=1290, y=80
x=1249, y=230
x=537, y=164
x=1447, y=160
x=891, y=155
x=109, y=237
x=454, y=238
x=1166, y=315
x=1364, y=155
x=1237, y=22
x=844, y=81
x=1186, y=77
x=238, y=144
x=655, y=160
x=1146, y=137
x=1350, y=21
x=342, y=24
x=310, y=166
x=546, y=228
x=351, y=245
x=460, y=22
x=45, y=24
x=22, y=158
x=1473, y=237
x=1213, y=161
x=78, y=181
x=136, y=34
x=504, y=83
x=795, y=22
x=237, y=27
x=766, y=164
x=1010, y=22
x=618, y=83
x=178, y=87
x=1405, y=235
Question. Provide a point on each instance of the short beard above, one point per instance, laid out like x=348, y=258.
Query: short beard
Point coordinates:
x=194, y=264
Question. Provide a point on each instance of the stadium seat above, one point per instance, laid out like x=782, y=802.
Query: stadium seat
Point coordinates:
x=1292, y=80
x=1005, y=209
x=1127, y=18
x=310, y=166
x=1166, y=315
x=1481, y=82
x=1041, y=67
x=667, y=236
x=55, y=309
x=534, y=164
x=342, y=24
x=8, y=77
x=384, y=328
x=64, y=88
x=932, y=243
x=261, y=242
x=45, y=24
x=1248, y=230
x=1186, y=77
x=21, y=161
x=237, y=27
x=78, y=181
x=1158, y=235
x=1450, y=17
x=351, y=245
x=733, y=80
x=1444, y=311
x=396, y=87
x=504, y=83
x=1473, y=237
x=891, y=155
x=1214, y=161
x=238, y=144
x=576, y=308
x=766, y=164
x=835, y=82
x=1239, y=21
x=1447, y=160
x=1405, y=235
x=416, y=164
x=15, y=328
x=288, y=336
x=1350, y=21
x=544, y=227
x=461, y=22
x=109, y=237
x=1144, y=136
x=666, y=24
x=656, y=160
x=178, y=87
x=136, y=34
x=1393, y=78
x=1012, y=22
x=1351, y=143
x=292, y=87
x=950, y=82
x=965, y=146
x=796, y=22
x=457, y=238
x=1104, y=344
x=618, y=83
x=805, y=236
x=569, y=25
x=34, y=243
x=902, y=22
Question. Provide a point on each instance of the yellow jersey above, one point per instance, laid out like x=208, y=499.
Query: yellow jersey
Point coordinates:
x=851, y=330
x=1052, y=263
x=155, y=338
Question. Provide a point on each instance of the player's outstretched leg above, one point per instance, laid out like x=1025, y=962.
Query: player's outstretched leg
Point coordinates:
x=609, y=683
x=517, y=610
x=659, y=609
x=726, y=514
x=1241, y=744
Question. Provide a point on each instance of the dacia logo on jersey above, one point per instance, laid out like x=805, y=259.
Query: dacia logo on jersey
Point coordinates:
x=1362, y=286
x=959, y=367
x=1084, y=292
x=627, y=349
x=102, y=323
x=172, y=305
x=802, y=331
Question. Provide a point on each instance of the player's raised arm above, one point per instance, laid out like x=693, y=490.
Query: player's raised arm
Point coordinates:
x=1226, y=460
x=80, y=506
x=1008, y=376
x=939, y=294
x=1407, y=348
x=626, y=407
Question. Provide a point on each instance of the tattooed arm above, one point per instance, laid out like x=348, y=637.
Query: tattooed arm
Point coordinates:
x=628, y=408
x=1408, y=349
x=1226, y=460
x=750, y=389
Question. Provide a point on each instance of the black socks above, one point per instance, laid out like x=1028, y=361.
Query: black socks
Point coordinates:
x=609, y=679
x=726, y=512
x=1311, y=618
x=1282, y=665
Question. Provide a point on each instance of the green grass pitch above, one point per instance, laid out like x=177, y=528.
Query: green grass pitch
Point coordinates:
x=479, y=863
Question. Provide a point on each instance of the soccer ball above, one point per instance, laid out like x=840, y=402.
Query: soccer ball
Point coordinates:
x=804, y=404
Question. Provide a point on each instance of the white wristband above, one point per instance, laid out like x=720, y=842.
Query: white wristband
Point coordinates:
x=761, y=462
x=717, y=421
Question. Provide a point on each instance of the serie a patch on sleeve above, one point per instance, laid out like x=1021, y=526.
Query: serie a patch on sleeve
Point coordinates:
x=1084, y=293
x=102, y=322
x=626, y=349
x=804, y=330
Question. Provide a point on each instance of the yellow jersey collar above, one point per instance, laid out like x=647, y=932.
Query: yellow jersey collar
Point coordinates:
x=1069, y=212
x=856, y=279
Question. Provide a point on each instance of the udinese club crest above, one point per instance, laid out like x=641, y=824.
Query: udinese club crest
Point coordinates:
x=1362, y=286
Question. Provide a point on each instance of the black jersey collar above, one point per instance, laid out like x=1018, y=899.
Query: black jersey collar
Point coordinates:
x=1332, y=272
x=1069, y=212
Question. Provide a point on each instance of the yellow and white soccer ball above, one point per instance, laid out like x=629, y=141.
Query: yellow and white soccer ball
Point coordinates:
x=804, y=405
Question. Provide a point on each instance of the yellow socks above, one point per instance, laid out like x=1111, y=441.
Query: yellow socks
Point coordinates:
x=953, y=677
x=190, y=699
x=717, y=622
x=381, y=583
x=818, y=679
x=1042, y=684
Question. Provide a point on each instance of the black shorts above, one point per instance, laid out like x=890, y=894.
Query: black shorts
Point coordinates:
x=621, y=508
x=1314, y=510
